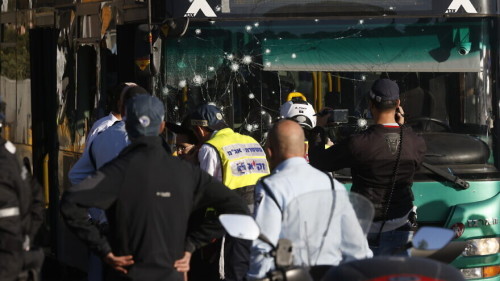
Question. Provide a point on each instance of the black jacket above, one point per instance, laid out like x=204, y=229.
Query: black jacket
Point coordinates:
x=148, y=196
x=21, y=211
x=371, y=156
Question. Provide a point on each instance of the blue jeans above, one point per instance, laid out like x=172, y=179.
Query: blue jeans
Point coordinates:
x=391, y=243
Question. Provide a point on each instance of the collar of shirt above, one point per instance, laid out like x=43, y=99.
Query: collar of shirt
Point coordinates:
x=213, y=134
x=289, y=163
x=112, y=117
x=391, y=125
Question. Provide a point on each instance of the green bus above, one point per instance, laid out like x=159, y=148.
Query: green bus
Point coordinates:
x=59, y=58
x=444, y=56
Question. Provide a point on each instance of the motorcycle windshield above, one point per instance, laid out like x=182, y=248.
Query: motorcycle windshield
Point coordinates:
x=327, y=224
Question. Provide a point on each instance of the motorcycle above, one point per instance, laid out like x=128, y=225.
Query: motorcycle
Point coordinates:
x=295, y=259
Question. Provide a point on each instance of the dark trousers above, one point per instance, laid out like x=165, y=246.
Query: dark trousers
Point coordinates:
x=236, y=258
x=205, y=262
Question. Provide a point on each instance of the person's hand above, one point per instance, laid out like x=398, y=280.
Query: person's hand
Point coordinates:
x=322, y=116
x=182, y=265
x=400, y=115
x=118, y=263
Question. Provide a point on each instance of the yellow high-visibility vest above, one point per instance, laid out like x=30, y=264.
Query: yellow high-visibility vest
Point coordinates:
x=243, y=160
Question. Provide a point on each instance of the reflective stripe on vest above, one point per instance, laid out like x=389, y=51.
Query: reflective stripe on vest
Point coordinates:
x=9, y=212
x=242, y=158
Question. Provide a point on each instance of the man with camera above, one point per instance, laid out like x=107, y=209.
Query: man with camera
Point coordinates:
x=383, y=160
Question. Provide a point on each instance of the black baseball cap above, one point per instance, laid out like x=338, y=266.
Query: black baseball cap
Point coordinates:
x=145, y=114
x=384, y=90
x=184, y=129
x=208, y=115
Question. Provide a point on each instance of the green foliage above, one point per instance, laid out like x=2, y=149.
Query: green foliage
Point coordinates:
x=15, y=61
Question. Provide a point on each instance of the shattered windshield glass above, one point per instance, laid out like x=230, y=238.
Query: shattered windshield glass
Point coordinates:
x=248, y=69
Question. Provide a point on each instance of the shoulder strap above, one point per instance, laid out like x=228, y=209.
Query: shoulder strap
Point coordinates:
x=271, y=194
x=331, y=180
x=325, y=233
x=393, y=182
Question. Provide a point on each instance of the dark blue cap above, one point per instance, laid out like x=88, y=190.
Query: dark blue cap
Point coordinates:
x=384, y=90
x=144, y=116
x=208, y=115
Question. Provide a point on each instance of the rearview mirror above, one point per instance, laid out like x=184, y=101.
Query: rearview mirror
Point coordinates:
x=240, y=226
x=432, y=238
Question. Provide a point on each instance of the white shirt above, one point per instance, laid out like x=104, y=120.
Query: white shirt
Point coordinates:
x=209, y=160
x=292, y=178
x=99, y=126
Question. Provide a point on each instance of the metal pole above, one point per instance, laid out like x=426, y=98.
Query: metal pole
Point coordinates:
x=150, y=38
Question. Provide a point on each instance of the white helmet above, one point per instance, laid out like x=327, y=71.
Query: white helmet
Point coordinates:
x=300, y=111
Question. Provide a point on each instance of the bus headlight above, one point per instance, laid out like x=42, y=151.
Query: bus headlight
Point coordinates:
x=472, y=273
x=480, y=272
x=482, y=247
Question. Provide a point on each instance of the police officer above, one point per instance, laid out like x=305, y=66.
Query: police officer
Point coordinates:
x=291, y=178
x=21, y=214
x=383, y=160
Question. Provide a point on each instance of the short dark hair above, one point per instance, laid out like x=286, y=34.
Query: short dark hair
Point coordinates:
x=191, y=137
x=114, y=97
x=130, y=93
x=385, y=105
x=116, y=93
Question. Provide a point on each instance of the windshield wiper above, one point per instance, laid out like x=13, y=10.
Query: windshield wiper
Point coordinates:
x=447, y=176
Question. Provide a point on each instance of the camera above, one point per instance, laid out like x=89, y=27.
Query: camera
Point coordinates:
x=336, y=115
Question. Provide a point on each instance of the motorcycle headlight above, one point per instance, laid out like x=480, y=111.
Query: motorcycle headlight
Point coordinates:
x=482, y=247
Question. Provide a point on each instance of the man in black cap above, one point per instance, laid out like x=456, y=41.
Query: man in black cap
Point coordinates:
x=238, y=161
x=383, y=160
x=21, y=214
x=148, y=196
x=104, y=142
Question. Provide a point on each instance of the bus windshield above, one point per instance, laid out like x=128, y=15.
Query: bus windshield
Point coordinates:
x=442, y=66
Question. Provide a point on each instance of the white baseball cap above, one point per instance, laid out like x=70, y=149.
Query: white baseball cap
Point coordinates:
x=300, y=111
